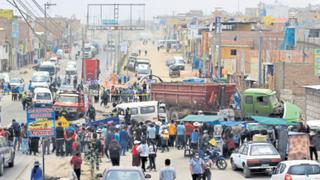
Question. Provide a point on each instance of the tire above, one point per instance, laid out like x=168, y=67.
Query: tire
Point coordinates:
x=1, y=168
x=221, y=164
x=246, y=172
x=233, y=166
x=11, y=163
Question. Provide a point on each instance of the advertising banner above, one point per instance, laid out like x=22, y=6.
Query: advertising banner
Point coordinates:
x=41, y=122
x=317, y=62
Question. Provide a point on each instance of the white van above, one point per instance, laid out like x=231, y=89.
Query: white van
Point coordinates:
x=49, y=67
x=40, y=79
x=42, y=97
x=143, y=111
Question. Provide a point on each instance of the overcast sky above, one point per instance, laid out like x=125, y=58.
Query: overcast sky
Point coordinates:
x=159, y=7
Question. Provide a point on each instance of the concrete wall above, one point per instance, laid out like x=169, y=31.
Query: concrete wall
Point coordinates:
x=312, y=104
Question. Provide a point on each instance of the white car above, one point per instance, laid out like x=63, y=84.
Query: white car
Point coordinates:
x=297, y=170
x=54, y=60
x=255, y=157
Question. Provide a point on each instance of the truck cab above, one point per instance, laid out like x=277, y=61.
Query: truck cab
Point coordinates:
x=263, y=102
x=71, y=104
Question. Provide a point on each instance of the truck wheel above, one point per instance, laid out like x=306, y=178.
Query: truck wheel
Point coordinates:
x=11, y=163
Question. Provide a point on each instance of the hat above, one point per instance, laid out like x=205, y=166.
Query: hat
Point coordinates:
x=136, y=142
x=36, y=163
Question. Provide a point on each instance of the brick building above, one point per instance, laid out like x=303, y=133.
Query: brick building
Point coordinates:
x=289, y=79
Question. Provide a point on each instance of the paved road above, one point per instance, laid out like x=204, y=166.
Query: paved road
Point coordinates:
x=23, y=163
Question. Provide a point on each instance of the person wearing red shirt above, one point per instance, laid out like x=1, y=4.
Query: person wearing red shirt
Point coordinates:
x=76, y=162
x=189, y=128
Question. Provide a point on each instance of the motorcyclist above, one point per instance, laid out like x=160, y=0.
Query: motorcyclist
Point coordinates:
x=91, y=113
x=205, y=138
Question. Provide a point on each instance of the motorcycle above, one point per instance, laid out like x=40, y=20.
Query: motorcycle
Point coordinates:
x=216, y=157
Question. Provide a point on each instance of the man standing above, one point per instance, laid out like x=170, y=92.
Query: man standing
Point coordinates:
x=151, y=132
x=59, y=139
x=172, y=133
x=124, y=140
x=180, y=135
x=168, y=172
x=17, y=132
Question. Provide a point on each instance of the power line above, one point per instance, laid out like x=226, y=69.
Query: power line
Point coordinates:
x=53, y=22
x=28, y=15
x=13, y=3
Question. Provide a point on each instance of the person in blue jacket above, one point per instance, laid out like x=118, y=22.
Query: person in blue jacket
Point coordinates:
x=36, y=173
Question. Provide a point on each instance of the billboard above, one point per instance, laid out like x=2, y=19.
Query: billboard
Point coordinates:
x=41, y=122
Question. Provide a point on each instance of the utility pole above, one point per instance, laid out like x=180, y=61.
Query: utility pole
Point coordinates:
x=46, y=6
x=260, y=59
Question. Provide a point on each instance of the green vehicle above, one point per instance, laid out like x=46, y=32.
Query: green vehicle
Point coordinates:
x=263, y=102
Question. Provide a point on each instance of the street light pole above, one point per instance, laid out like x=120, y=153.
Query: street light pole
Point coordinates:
x=46, y=6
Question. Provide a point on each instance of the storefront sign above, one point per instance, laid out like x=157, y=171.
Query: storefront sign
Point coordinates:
x=41, y=122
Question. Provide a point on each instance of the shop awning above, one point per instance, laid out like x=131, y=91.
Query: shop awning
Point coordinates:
x=272, y=121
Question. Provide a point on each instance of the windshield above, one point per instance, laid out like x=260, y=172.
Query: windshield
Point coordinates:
x=304, y=169
x=67, y=99
x=40, y=79
x=143, y=71
x=123, y=175
x=274, y=100
x=263, y=149
x=71, y=72
x=43, y=96
x=180, y=61
x=47, y=68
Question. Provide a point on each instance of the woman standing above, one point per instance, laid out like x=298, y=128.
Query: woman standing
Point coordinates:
x=76, y=162
x=114, y=152
x=143, y=149
x=135, y=154
x=152, y=156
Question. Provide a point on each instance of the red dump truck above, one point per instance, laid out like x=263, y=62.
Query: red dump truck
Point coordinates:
x=90, y=69
x=185, y=98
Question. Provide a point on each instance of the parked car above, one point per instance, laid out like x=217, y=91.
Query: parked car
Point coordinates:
x=4, y=77
x=179, y=61
x=54, y=60
x=174, y=71
x=254, y=157
x=131, y=63
x=296, y=169
x=124, y=173
x=7, y=154
x=170, y=62
x=16, y=82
